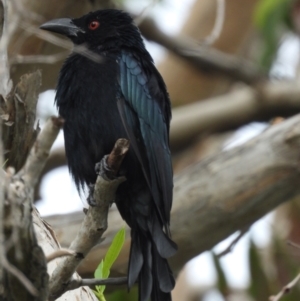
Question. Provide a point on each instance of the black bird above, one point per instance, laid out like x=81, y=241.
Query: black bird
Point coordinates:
x=122, y=96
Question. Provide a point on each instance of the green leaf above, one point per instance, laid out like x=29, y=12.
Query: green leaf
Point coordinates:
x=222, y=283
x=103, y=269
x=99, y=295
x=99, y=271
x=266, y=8
x=259, y=288
x=113, y=252
x=270, y=16
x=123, y=294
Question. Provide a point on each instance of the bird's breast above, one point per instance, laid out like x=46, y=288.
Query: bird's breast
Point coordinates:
x=86, y=99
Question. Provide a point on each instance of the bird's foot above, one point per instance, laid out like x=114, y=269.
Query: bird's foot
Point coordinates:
x=90, y=199
x=102, y=169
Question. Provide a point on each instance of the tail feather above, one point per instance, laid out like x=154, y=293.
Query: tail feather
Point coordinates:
x=165, y=246
x=157, y=294
x=145, y=278
x=146, y=264
x=136, y=259
x=163, y=273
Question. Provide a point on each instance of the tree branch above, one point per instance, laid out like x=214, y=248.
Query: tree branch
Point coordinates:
x=233, y=243
x=221, y=113
x=76, y=283
x=234, y=109
x=20, y=276
x=221, y=195
x=219, y=23
x=95, y=221
x=18, y=111
x=59, y=253
x=206, y=59
x=27, y=262
x=286, y=289
x=36, y=159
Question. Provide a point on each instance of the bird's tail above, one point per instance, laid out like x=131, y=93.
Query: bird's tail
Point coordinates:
x=148, y=265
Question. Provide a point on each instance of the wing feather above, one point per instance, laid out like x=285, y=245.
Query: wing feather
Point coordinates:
x=137, y=101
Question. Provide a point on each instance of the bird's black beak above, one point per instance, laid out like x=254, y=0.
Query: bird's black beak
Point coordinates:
x=64, y=26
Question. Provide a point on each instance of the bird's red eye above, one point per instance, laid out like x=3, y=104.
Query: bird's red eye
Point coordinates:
x=94, y=25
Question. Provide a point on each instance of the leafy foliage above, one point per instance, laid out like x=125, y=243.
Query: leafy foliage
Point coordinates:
x=103, y=269
x=124, y=295
x=4, y=163
x=260, y=285
x=271, y=16
x=222, y=283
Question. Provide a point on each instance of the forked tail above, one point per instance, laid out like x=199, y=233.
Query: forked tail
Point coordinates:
x=148, y=264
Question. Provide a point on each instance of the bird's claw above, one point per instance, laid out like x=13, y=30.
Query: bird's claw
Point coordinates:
x=102, y=169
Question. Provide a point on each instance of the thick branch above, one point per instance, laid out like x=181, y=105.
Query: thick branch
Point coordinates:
x=95, y=221
x=39, y=153
x=234, y=109
x=26, y=261
x=206, y=59
x=18, y=111
x=221, y=113
x=219, y=196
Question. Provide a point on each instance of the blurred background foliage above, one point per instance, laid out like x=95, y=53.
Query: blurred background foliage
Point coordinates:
x=272, y=18
x=269, y=22
x=252, y=29
x=271, y=267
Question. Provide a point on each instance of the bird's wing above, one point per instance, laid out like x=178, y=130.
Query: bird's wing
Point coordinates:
x=137, y=106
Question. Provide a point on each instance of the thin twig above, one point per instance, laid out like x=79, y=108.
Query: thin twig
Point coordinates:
x=66, y=44
x=233, y=243
x=59, y=253
x=40, y=151
x=76, y=283
x=38, y=59
x=19, y=275
x=285, y=290
x=46, y=36
x=290, y=243
x=141, y=16
x=25, y=13
x=218, y=26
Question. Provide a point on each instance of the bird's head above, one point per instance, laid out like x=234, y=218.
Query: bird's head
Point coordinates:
x=101, y=28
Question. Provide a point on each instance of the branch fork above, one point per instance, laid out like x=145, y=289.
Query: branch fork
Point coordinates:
x=95, y=220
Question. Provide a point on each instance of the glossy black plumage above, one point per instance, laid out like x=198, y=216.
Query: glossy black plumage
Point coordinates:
x=122, y=96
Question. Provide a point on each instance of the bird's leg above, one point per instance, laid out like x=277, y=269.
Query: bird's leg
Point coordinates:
x=103, y=169
x=109, y=166
x=90, y=199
